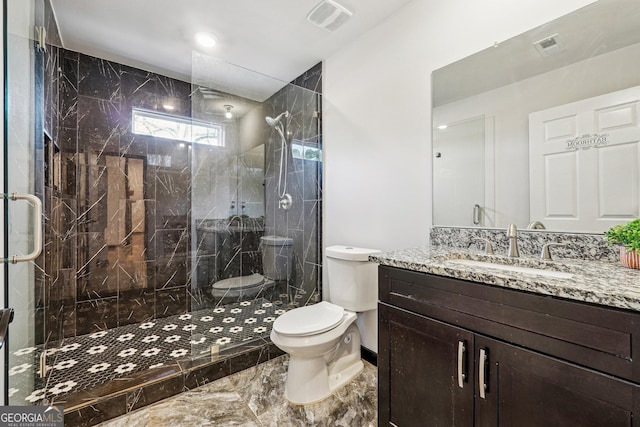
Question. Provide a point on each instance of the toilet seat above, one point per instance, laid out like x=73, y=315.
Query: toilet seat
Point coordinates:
x=309, y=320
x=241, y=287
x=239, y=282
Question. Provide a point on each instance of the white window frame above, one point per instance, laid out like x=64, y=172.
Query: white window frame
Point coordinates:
x=177, y=128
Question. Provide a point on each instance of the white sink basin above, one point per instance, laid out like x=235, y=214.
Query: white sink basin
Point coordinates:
x=512, y=268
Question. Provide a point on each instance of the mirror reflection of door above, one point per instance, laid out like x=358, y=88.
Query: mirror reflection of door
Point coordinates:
x=459, y=173
x=592, y=184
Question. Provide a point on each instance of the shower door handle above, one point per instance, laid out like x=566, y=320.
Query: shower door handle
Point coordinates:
x=37, y=227
x=6, y=317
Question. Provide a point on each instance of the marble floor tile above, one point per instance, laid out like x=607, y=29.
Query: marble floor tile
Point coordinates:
x=255, y=397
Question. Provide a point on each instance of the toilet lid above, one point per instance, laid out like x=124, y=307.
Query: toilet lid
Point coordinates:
x=309, y=320
x=239, y=282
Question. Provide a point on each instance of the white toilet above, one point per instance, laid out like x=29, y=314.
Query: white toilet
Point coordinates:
x=323, y=340
x=277, y=255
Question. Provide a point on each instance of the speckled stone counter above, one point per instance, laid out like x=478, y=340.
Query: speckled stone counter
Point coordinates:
x=592, y=281
x=577, y=245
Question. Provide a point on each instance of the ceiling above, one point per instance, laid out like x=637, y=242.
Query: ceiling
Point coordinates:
x=260, y=44
x=582, y=34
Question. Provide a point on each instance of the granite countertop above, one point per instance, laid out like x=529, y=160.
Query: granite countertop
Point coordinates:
x=592, y=281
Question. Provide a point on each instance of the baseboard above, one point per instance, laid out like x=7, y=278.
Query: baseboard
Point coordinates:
x=369, y=356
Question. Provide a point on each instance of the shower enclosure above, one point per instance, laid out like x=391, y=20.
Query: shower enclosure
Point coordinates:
x=152, y=193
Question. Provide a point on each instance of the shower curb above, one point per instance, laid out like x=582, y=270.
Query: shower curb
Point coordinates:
x=189, y=374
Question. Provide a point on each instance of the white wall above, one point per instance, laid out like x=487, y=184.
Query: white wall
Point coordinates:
x=377, y=118
x=251, y=128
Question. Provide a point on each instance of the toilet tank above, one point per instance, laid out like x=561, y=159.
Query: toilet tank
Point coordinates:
x=277, y=257
x=353, y=279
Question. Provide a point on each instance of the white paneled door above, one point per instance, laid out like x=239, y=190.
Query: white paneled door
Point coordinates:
x=584, y=163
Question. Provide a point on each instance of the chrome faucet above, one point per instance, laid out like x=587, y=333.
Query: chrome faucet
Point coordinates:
x=545, y=253
x=488, y=249
x=536, y=225
x=512, y=235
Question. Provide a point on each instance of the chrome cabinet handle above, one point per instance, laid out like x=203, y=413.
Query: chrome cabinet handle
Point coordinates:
x=37, y=227
x=476, y=214
x=482, y=365
x=462, y=349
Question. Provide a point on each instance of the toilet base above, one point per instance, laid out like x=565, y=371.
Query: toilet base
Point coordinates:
x=338, y=380
x=316, y=388
x=311, y=380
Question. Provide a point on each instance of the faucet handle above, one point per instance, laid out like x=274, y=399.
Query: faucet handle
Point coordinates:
x=545, y=253
x=488, y=249
x=512, y=235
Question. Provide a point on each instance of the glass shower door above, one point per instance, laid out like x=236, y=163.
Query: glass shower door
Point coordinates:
x=23, y=173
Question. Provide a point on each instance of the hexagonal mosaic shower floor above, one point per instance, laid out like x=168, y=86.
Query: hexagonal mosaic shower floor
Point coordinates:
x=82, y=363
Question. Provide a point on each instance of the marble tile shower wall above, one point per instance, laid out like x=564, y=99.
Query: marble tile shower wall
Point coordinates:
x=302, y=222
x=117, y=223
x=227, y=248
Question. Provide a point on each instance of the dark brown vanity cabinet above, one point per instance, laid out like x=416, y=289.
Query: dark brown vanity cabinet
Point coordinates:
x=458, y=353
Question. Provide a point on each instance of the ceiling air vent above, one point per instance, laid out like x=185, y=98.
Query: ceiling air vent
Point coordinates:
x=329, y=15
x=549, y=45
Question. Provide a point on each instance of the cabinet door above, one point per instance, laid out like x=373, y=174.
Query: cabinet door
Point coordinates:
x=527, y=389
x=425, y=369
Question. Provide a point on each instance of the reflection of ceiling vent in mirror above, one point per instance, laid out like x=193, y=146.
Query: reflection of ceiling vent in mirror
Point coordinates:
x=329, y=15
x=549, y=45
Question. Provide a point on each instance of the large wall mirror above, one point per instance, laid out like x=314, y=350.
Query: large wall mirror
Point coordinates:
x=543, y=130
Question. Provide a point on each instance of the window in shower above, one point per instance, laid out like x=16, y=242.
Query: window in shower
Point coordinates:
x=301, y=151
x=168, y=126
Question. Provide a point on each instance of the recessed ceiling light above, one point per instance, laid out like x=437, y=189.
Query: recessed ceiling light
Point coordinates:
x=205, y=39
x=442, y=127
x=228, y=114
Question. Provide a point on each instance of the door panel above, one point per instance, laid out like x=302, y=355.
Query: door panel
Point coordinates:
x=618, y=181
x=421, y=362
x=586, y=185
x=527, y=389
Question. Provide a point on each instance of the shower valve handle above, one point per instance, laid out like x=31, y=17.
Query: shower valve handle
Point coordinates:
x=285, y=202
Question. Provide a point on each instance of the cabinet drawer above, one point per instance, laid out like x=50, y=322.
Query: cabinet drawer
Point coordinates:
x=602, y=338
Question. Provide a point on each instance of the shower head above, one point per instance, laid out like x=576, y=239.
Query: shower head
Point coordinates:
x=273, y=122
